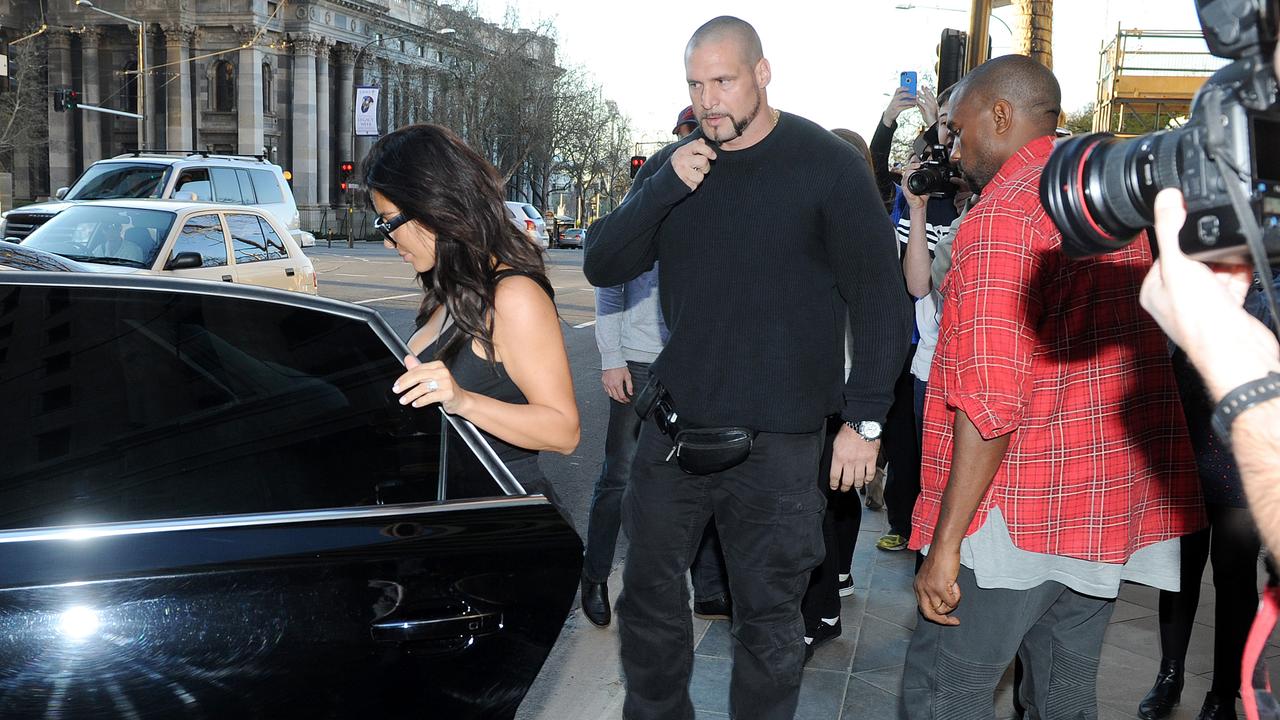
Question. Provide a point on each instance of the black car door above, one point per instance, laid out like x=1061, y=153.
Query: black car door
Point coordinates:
x=212, y=506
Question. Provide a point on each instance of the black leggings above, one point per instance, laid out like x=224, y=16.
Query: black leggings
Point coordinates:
x=1231, y=540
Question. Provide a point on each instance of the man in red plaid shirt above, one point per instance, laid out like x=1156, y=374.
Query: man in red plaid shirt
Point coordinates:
x=1056, y=461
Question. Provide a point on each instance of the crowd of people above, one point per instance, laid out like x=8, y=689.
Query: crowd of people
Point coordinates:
x=774, y=305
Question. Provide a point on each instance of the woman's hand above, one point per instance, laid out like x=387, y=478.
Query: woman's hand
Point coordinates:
x=915, y=202
x=428, y=383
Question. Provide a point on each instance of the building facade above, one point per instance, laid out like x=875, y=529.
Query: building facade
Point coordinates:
x=248, y=77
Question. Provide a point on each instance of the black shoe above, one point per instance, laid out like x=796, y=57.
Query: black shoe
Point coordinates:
x=717, y=608
x=1218, y=707
x=595, y=603
x=822, y=634
x=1165, y=694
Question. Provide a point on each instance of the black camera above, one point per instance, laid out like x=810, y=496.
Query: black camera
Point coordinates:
x=934, y=175
x=1100, y=190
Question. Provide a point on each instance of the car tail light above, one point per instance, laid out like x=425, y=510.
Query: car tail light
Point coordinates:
x=530, y=227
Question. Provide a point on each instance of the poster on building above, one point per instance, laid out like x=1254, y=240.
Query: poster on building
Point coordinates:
x=366, y=111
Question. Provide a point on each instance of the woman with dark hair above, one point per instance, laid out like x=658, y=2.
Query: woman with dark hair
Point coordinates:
x=488, y=344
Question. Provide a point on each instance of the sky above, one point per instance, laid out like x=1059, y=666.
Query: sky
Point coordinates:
x=835, y=62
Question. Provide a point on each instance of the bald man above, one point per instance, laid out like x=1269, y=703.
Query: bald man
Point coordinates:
x=1056, y=460
x=769, y=232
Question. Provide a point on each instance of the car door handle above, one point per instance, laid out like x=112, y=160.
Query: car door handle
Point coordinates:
x=288, y=271
x=226, y=278
x=458, y=629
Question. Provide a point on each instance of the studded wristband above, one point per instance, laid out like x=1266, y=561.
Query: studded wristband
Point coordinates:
x=1241, y=399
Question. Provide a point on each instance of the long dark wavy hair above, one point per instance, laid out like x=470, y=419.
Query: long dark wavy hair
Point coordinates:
x=433, y=177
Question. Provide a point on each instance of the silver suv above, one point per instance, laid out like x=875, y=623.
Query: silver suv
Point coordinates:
x=232, y=179
x=528, y=220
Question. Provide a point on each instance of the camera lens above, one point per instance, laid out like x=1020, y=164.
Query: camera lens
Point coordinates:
x=924, y=181
x=1100, y=190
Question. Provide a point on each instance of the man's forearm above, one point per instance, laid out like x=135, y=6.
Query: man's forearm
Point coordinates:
x=1255, y=442
x=974, y=462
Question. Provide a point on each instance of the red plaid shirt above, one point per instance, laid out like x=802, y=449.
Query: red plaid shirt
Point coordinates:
x=1059, y=353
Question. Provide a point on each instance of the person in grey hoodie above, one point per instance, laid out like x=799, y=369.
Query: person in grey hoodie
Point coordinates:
x=630, y=333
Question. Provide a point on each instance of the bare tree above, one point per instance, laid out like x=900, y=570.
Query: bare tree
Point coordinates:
x=23, y=108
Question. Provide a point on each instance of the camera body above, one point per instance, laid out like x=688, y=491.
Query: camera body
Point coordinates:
x=935, y=173
x=1100, y=190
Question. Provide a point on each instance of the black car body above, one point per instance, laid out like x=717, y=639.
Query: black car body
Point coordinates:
x=212, y=506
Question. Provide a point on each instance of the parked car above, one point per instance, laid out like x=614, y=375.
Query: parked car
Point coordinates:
x=211, y=504
x=527, y=218
x=229, y=243
x=573, y=237
x=231, y=179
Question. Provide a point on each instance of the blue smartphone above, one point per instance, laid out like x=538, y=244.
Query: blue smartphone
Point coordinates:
x=908, y=81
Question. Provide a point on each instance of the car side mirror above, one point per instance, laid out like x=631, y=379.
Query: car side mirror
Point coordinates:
x=185, y=261
x=61, y=193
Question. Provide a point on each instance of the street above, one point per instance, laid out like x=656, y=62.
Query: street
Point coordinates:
x=374, y=276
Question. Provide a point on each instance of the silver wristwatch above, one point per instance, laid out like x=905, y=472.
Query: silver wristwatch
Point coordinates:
x=869, y=429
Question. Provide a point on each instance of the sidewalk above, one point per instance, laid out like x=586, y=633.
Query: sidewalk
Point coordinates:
x=856, y=676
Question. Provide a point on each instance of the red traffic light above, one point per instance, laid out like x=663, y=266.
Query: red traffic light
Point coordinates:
x=343, y=185
x=636, y=162
x=347, y=167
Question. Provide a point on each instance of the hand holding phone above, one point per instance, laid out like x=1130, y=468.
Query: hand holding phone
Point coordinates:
x=908, y=81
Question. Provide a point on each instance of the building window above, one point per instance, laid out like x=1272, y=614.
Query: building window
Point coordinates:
x=224, y=86
x=129, y=87
x=268, y=90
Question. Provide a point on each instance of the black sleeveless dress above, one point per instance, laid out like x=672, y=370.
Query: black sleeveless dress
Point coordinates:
x=474, y=374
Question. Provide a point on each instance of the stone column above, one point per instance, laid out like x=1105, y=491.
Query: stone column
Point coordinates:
x=178, y=113
x=303, y=133
x=91, y=94
x=387, y=113
x=61, y=157
x=153, y=81
x=249, y=107
x=365, y=75
x=345, y=57
x=324, y=166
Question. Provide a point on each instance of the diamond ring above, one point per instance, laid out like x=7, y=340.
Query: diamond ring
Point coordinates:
x=432, y=386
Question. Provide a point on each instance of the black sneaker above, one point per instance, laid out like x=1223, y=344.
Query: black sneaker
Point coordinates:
x=844, y=584
x=717, y=608
x=822, y=634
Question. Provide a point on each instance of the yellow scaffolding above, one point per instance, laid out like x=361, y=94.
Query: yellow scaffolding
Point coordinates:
x=1147, y=78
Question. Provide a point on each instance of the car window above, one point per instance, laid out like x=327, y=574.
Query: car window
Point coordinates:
x=203, y=234
x=275, y=246
x=130, y=237
x=108, y=181
x=247, y=240
x=226, y=187
x=531, y=212
x=266, y=187
x=217, y=405
x=246, y=187
x=193, y=184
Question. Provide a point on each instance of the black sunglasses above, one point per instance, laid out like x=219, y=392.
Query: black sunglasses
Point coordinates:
x=386, y=227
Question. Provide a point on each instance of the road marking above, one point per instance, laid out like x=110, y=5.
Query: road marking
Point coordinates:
x=584, y=325
x=347, y=274
x=395, y=277
x=391, y=297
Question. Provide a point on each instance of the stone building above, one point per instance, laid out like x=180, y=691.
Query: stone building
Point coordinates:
x=249, y=77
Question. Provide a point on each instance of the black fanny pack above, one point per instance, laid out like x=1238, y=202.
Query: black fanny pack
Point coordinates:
x=698, y=450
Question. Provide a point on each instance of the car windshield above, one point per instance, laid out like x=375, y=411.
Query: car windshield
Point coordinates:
x=531, y=211
x=110, y=181
x=108, y=235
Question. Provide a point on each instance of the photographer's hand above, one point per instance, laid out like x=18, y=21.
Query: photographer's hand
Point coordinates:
x=1201, y=308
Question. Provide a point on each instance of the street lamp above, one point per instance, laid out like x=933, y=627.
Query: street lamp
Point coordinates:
x=142, y=66
x=993, y=16
x=354, y=64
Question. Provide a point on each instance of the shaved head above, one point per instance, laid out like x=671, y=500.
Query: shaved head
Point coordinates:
x=730, y=29
x=1027, y=85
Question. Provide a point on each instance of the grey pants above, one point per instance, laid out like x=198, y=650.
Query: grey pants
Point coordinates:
x=951, y=671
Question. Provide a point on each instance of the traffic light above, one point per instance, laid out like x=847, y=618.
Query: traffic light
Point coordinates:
x=637, y=161
x=344, y=175
x=71, y=99
x=59, y=99
x=951, y=51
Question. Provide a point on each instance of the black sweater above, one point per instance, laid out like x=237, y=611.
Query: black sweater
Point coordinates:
x=757, y=268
